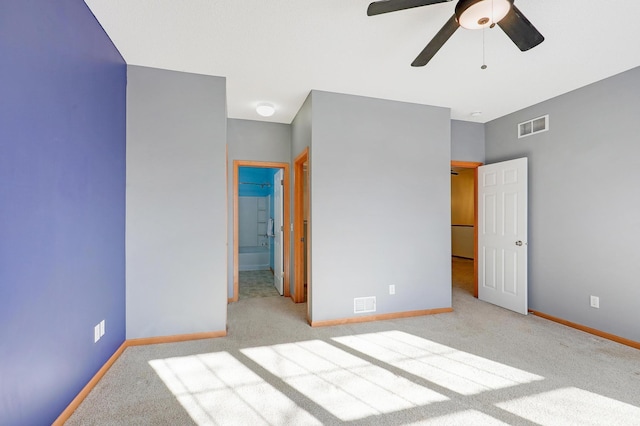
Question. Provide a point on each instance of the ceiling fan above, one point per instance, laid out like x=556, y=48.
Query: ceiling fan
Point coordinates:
x=470, y=14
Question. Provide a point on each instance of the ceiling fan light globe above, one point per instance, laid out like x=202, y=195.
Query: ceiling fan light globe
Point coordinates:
x=477, y=14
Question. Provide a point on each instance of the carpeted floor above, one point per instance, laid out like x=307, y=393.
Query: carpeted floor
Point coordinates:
x=479, y=365
x=256, y=284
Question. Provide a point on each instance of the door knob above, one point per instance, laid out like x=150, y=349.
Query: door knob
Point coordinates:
x=518, y=243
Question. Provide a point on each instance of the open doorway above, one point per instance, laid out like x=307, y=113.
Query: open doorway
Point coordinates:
x=260, y=235
x=464, y=225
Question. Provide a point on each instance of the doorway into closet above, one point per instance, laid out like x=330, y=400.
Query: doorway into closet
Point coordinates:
x=260, y=231
x=464, y=226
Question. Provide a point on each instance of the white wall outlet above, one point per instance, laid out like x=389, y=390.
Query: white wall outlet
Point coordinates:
x=102, y=328
x=96, y=333
x=392, y=289
x=595, y=302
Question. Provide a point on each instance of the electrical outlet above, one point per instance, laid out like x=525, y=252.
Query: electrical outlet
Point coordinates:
x=595, y=302
x=96, y=333
x=392, y=289
x=102, y=328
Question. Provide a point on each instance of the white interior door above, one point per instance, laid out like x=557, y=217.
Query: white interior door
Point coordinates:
x=278, y=230
x=502, y=234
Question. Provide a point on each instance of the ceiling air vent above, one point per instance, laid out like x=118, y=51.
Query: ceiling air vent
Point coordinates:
x=364, y=304
x=531, y=127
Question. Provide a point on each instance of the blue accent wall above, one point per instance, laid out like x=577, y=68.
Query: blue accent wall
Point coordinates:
x=62, y=205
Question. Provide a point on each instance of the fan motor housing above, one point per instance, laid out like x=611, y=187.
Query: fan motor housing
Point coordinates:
x=485, y=19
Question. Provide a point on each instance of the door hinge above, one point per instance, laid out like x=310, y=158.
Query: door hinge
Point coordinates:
x=281, y=181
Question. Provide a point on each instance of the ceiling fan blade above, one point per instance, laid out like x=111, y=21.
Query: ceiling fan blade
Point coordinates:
x=520, y=30
x=384, y=6
x=437, y=42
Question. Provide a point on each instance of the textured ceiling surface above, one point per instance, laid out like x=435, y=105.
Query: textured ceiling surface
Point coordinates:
x=278, y=50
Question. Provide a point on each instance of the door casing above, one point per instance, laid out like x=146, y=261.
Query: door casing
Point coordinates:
x=298, y=228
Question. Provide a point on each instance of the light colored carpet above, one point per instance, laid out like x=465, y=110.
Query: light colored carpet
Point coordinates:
x=479, y=365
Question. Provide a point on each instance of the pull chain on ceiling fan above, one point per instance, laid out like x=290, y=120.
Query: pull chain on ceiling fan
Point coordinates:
x=470, y=14
x=484, y=63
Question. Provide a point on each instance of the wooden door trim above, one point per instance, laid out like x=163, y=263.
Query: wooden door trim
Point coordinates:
x=298, y=225
x=473, y=165
x=286, y=213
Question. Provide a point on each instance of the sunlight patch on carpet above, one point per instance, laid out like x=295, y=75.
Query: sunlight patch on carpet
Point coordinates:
x=573, y=406
x=348, y=387
x=450, y=368
x=216, y=388
x=466, y=417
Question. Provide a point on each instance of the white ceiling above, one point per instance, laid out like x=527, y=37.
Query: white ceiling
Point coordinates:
x=279, y=50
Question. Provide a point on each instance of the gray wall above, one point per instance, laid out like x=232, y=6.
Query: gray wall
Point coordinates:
x=176, y=215
x=302, y=128
x=467, y=141
x=253, y=141
x=583, y=202
x=381, y=205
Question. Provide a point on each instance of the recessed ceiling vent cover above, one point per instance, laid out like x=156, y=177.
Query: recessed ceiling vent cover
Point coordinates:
x=364, y=304
x=531, y=127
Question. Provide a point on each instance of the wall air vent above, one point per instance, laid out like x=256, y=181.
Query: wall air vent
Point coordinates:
x=364, y=304
x=531, y=127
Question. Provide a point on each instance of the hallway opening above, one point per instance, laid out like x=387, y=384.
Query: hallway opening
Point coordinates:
x=260, y=237
x=464, y=225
